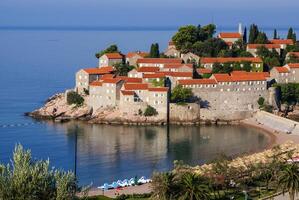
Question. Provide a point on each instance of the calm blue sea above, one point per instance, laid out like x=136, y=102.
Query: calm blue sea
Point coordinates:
x=36, y=63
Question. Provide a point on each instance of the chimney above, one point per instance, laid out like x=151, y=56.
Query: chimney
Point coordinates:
x=240, y=29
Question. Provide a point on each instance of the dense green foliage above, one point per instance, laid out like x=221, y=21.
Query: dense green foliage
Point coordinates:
x=154, y=51
x=231, y=66
x=193, y=39
x=256, y=36
x=245, y=35
x=159, y=83
x=150, y=111
x=122, y=69
x=261, y=101
x=111, y=49
x=289, y=93
x=208, y=48
x=181, y=95
x=270, y=58
x=74, y=98
x=27, y=178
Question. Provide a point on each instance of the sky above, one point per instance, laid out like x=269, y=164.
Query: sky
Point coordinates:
x=280, y=13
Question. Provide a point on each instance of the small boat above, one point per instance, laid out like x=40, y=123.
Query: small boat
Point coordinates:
x=114, y=185
x=131, y=181
x=125, y=183
x=106, y=186
x=142, y=180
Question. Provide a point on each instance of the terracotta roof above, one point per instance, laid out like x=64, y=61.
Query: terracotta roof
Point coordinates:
x=114, y=55
x=136, y=86
x=156, y=75
x=148, y=69
x=177, y=65
x=101, y=70
x=158, y=89
x=96, y=83
x=126, y=92
x=296, y=54
x=282, y=41
x=130, y=79
x=230, y=35
x=197, y=81
x=159, y=60
x=230, y=59
x=293, y=65
x=281, y=69
x=105, y=76
x=239, y=77
x=222, y=77
x=204, y=71
x=239, y=73
x=268, y=46
x=178, y=74
x=111, y=80
x=132, y=54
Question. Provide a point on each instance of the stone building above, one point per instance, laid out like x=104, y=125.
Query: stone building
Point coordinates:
x=282, y=42
x=85, y=76
x=177, y=67
x=190, y=58
x=109, y=59
x=157, y=62
x=286, y=74
x=229, y=92
x=138, y=73
x=172, y=51
x=132, y=57
x=256, y=62
x=135, y=96
x=230, y=37
x=252, y=48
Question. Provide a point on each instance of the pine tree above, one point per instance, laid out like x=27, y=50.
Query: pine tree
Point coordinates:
x=154, y=52
x=253, y=33
x=290, y=33
x=275, y=34
x=245, y=36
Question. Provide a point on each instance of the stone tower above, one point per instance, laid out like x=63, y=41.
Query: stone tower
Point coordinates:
x=240, y=29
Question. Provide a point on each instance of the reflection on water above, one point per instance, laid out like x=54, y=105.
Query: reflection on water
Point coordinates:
x=107, y=153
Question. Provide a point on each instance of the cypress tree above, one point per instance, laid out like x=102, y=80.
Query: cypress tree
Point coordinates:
x=294, y=37
x=154, y=52
x=157, y=51
x=253, y=33
x=290, y=33
x=245, y=36
x=275, y=34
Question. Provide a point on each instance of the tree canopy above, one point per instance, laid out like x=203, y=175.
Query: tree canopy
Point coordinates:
x=181, y=95
x=154, y=51
x=111, y=49
x=122, y=69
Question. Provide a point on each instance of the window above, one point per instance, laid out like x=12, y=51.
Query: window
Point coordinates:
x=162, y=95
x=80, y=77
x=107, y=91
x=228, y=89
x=156, y=94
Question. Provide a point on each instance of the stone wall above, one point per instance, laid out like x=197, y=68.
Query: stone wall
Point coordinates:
x=185, y=113
x=223, y=115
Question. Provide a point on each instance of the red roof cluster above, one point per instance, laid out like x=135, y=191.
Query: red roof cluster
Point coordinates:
x=293, y=65
x=230, y=59
x=177, y=65
x=148, y=69
x=136, y=86
x=127, y=93
x=114, y=55
x=139, y=53
x=229, y=35
x=101, y=70
x=268, y=46
x=239, y=77
x=156, y=75
x=282, y=41
x=159, y=60
x=281, y=69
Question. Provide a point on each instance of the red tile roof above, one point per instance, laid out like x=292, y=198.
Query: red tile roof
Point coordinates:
x=230, y=59
x=178, y=74
x=114, y=55
x=239, y=77
x=158, y=89
x=229, y=35
x=204, y=71
x=136, y=86
x=105, y=76
x=96, y=83
x=239, y=73
x=281, y=69
x=296, y=54
x=177, y=65
x=148, y=69
x=156, y=75
x=293, y=65
x=112, y=80
x=159, y=60
x=197, y=81
x=101, y=70
x=282, y=41
x=268, y=46
x=132, y=54
x=130, y=80
x=127, y=93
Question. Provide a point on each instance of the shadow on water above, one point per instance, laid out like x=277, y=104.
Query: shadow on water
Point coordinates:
x=111, y=152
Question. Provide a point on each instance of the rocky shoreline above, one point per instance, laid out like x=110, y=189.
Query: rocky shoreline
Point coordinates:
x=57, y=109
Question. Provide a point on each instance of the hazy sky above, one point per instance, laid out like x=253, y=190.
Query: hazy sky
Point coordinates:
x=147, y=12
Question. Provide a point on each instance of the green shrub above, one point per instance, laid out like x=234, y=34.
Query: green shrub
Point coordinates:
x=261, y=101
x=181, y=95
x=27, y=178
x=150, y=111
x=74, y=98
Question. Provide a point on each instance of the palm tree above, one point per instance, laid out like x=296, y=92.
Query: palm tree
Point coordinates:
x=193, y=187
x=163, y=186
x=288, y=180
